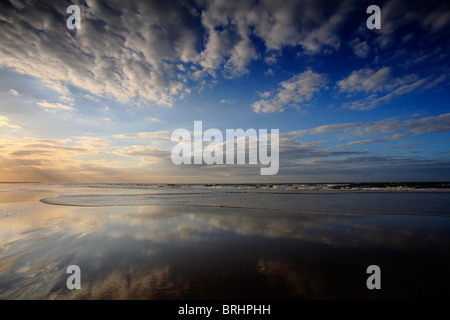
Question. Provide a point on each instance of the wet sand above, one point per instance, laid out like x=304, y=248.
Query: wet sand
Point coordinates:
x=222, y=248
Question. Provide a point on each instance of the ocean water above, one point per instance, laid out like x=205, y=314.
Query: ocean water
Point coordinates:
x=216, y=241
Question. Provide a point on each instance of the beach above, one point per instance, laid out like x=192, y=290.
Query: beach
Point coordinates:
x=290, y=241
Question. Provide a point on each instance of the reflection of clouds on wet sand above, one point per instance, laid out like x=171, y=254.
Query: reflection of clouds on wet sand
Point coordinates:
x=37, y=243
x=179, y=251
x=8, y=262
x=340, y=230
x=132, y=283
x=159, y=223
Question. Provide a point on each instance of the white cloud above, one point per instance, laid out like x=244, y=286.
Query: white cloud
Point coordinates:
x=5, y=122
x=360, y=48
x=271, y=58
x=117, y=53
x=435, y=82
x=67, y=98
x=135, y=52
x=395, y=88
x=163, y=134
x=226, y=101
x=265, y=95
x=366, y=80
x=149, y=51
x=269, y=72
x=409, y=127
x=298, y=89
x=55, y=84
x=230, y=25
x=54, y=105
x=380, y=87
x=14, y=92
x=151, y=153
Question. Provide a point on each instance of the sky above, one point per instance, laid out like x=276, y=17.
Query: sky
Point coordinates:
x=99, y=104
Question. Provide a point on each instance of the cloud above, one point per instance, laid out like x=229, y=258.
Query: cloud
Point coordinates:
x=163, y=134
x=432, y=16
x=374, y=100
x=5, y=122
x=271, y=58
x=376, y=167
x=366, y=80
x=148, y=153
x=54, y=105
x=300, y=88
x=269, y=72
x=382, y=87
x=379, y=86
x=93, y=143
x=360, y=48
x=123, y=50
x=437, y=19
x=325, y=34
x=409, y=127
x=93, y=159
x=230, y=26
x=368, y=141
x=14, y=92
x=435, y=82
x=295, y=152
x=67, y=98
x=80, y=159
x=226, y=101
x=138, y=52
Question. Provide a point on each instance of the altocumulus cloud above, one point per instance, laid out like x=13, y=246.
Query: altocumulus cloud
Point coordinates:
x=292, y=92
x=151, y=51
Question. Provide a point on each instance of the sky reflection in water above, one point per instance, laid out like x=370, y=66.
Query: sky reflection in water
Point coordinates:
x=176, y=252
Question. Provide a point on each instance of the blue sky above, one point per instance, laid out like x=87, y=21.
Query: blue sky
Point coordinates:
x=98, y=104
